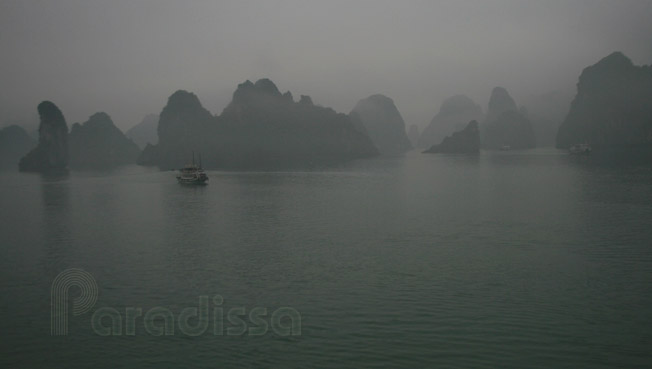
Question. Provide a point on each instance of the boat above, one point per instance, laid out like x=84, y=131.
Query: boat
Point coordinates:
x=192, y=174
x=505, y=148
x=580, y=149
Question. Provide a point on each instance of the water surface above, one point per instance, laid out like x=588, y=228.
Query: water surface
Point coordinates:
x=510, y=259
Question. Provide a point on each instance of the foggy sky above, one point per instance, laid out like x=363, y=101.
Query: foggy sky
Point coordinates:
x=127, y=57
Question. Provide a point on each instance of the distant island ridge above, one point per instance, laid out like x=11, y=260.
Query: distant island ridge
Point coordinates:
x=259, y=128
x=264, y=128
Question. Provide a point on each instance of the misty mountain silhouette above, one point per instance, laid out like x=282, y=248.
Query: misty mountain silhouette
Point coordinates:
x=259, y=128
x=51, y=153
x=383, y=123
x=98, y=143
x=454, y=114
x=505, y=125
x=466, y=141
x=613, y=105
x=14, y=144
x=144, y=132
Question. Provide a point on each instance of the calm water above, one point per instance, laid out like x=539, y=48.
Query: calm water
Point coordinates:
x=507, y=260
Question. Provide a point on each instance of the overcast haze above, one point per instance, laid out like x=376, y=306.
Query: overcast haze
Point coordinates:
x=127, y=57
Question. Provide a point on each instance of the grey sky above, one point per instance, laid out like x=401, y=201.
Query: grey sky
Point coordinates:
x=127, y=57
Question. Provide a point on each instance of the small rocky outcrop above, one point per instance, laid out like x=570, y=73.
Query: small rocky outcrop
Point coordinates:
x=99, y=144
x=14, y=144
x=505, y=124
x=454, y=114
x=383, y=123
x=144, y=132
x=613, y=106
x=306, y=100
x=288, y=96
x=466, y=141
x=51, y=153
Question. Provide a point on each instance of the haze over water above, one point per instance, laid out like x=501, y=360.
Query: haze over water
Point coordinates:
x=508, y=259
x=487, y=250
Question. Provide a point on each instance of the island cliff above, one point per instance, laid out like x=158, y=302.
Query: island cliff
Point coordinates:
x=184, y=126
x=51, y=153
x=612, y=107
x=383, y=123
x=505, y=124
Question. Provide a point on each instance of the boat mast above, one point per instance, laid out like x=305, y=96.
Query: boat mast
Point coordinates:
x=193, y=157
x=200, y=160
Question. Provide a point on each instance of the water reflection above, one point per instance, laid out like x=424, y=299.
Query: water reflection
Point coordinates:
x=262, y=205
x=186, y=240
x=57, y=214
x=500, y=252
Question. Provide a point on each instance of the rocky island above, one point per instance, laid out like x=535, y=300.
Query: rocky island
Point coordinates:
x=612, y=108
x=454, y=114
x=14, y=144
x=259, y=128
x=466, y=141
x=383, y=123
x=98, y=144
x=51, y=153
x=505, y=125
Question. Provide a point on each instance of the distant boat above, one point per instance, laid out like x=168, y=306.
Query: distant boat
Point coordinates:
x=192, y=173
x=505, y=148
x=580, y=149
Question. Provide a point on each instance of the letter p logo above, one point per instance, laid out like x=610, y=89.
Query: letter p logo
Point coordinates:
x=59, y=298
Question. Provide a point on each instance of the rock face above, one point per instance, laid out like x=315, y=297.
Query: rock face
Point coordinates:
x=505, y=125
x=144, y=132
x=182, y=119
x=466, y=141
x=51, y=153
x=454, y=114
x=98, y=143
x=413, y=134
x=259, y=128
x=14, y=144
x=184, y=126
x=499, y=102
x=383, y=124
x=613, y=106
x=357, y=123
